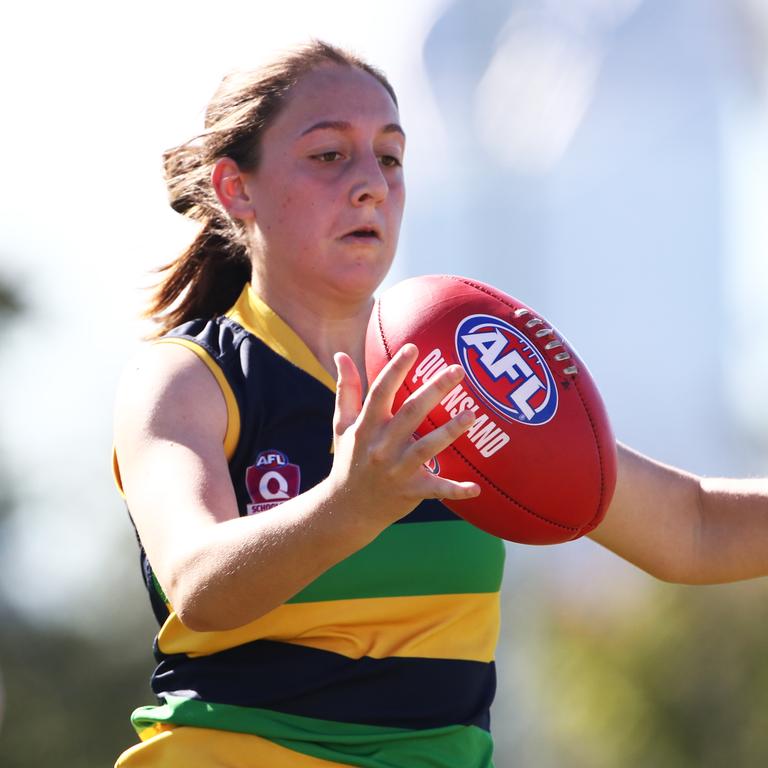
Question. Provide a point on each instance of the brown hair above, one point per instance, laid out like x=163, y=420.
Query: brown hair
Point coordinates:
x=206, y=279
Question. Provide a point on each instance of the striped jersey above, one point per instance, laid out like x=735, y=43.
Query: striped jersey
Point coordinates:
x=387, y=658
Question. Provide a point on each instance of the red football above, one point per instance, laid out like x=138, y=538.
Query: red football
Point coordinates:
x=541, y=449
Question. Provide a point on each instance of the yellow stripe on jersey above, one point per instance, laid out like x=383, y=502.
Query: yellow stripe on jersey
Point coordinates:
x=460, y=627
x=233, y=411
x=208, y=748
x=257, y=318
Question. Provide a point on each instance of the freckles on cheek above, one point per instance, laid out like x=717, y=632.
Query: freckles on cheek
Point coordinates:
x=282, y=211
x=307, y=260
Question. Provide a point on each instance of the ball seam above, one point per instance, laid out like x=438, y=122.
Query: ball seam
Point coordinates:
x=591, y=524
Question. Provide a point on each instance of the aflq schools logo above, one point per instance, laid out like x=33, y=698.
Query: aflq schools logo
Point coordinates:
x=506, y=369
x=271, y=481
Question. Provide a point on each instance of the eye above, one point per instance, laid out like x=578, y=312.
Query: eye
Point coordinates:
x=327, y=157
x=390, y=161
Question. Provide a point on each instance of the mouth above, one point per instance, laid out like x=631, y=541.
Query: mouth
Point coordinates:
x=363, y=234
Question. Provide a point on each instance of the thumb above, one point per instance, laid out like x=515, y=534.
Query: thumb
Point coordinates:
x=349, y=393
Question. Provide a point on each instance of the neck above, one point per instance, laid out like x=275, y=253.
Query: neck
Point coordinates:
x=326, y=326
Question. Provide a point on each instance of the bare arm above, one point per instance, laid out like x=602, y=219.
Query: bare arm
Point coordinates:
x=220, y=570
x=683, y=528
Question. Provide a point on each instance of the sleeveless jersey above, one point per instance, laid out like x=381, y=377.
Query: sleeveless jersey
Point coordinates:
x=387, y=658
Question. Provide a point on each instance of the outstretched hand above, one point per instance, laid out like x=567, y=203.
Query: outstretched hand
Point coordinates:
x=377, y=461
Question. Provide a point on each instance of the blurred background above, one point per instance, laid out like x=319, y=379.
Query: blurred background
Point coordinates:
x=606, y=161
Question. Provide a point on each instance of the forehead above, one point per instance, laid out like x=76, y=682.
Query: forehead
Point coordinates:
x=336, y=92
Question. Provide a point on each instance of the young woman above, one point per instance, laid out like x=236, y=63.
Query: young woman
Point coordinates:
x=318, y=606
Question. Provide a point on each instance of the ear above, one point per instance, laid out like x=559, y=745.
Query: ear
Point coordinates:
x=230, y=187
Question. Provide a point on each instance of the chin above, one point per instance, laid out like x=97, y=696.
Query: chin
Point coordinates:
x=359, y=283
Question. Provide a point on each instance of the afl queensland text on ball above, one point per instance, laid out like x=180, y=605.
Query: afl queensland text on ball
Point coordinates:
x=541, y=448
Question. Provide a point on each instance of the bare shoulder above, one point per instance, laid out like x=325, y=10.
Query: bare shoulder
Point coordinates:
x=167, y=392
x=170, y=424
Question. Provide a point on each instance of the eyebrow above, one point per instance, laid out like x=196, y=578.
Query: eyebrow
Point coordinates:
x=343, y=125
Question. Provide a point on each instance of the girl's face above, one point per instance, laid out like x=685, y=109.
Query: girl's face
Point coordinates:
x=328, y=194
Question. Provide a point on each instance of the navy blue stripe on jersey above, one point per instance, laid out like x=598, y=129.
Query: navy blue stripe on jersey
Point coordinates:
x=395, y=692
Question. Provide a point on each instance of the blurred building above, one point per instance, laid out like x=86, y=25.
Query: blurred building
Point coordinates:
x=591, y=171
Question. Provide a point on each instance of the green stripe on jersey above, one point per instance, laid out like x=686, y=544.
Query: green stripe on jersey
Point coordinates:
x=425, y=557
x=367, y=746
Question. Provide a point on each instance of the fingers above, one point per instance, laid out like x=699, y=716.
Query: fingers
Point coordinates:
x=384, y=446
x=381, y=394
x=398, y=444
x=418, y=406
x=349, y=393
x=425, y=448
x=442, y=488
x=422, y=450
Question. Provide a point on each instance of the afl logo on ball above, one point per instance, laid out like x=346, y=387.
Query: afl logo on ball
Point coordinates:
x=506, y=369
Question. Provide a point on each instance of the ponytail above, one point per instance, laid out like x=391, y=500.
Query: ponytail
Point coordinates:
x=204, y=281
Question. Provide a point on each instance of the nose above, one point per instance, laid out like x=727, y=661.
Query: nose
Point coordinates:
x=369, y=185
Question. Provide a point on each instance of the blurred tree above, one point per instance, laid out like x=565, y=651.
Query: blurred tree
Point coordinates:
x=10, y=302
x=67, y=697
x=11, y=305
x=678, y=679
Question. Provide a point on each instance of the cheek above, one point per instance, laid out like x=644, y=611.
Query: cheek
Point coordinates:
x=397, y=205
x=397, y=192
x=289, y=215
x=307, y=226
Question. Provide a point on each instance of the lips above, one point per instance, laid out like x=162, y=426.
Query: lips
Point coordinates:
x=365, y=232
